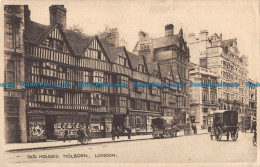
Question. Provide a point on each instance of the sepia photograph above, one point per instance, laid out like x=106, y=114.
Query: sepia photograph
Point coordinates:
x=135, y=82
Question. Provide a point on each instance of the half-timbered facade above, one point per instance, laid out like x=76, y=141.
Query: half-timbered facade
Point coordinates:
x=173, y=56
x=60, y=60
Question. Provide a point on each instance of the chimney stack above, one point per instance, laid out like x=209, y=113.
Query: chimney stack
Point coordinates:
x=58, y=15
x=111, y=35
x=143, y=36
x=169, y=30
x=203, y=35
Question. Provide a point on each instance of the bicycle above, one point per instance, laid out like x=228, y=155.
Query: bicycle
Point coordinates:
x=84, y=140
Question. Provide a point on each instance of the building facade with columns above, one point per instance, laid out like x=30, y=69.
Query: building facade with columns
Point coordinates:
x=224, y=58
x=203, y=100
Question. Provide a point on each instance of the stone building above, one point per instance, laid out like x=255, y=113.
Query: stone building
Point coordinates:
x=172, y=54
x=252, y=100
x=203, y=99
x=224, y=58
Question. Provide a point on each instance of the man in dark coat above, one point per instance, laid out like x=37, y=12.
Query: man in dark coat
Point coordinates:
x=66, y=133
x=129, y=132
x=113, y=133
x=117, y=132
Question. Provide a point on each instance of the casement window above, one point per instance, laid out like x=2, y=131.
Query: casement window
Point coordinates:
x=138, y=104
x=155, y=90
x=141, y=68
x=99, y=77
x=47, y=95
x=122, y=101
x=121, y=79
x=49, y=69
x=10, y=71
x=96, y=99
x=12, y=36
x=86, y=76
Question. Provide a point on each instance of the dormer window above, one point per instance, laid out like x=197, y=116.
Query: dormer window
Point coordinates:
x=141, y=68
x=156, y=74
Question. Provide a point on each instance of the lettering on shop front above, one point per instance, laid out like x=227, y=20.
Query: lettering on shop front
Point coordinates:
x=55, y=112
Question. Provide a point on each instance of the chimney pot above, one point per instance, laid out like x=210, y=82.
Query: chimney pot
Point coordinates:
x=169, y=30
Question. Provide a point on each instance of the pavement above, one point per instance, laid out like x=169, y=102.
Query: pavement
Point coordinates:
x=199, y=149
x=14, y=147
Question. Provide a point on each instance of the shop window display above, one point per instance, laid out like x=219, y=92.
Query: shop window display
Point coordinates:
x=71, y=123
x=36, y=128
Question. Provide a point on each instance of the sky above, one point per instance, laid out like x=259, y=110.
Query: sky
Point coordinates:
x=234, y=19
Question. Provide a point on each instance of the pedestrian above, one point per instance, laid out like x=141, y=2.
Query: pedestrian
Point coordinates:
x=253, y=126
x=117, y=132
x=113, y=133
x=129, y=132
x=88, y=131
x=66, y=133
x=195, y=129
x=81, y=135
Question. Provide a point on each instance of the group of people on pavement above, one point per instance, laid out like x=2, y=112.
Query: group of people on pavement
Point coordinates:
x=117, y=131
x=81, y=134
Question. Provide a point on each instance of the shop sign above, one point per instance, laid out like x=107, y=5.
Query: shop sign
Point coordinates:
x=48, y=112
x=12, y=94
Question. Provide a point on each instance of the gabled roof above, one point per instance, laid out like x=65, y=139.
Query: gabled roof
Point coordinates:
x=110, y=50
x=135, y=59
x=152, y=66
x=78, y=41
x=33, y=31
x=165, y=68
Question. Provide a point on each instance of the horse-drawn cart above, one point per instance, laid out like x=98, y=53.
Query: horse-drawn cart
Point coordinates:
x=164, y=127
x=225, y=123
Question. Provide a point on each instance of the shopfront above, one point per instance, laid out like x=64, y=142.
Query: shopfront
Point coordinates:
x=51, y=125
x=100, y=125
x=141, y=122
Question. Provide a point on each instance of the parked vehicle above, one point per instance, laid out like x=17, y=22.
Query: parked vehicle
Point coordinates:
x=225, y=123
x=164, y=127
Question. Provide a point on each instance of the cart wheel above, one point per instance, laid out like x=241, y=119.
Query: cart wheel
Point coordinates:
x=219, y=134
x=154, y=136
x=234, y=135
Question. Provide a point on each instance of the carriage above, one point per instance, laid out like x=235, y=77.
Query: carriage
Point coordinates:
x=225, y=123
x=164, y=127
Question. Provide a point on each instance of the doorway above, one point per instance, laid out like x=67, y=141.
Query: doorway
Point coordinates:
x=50, y=121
